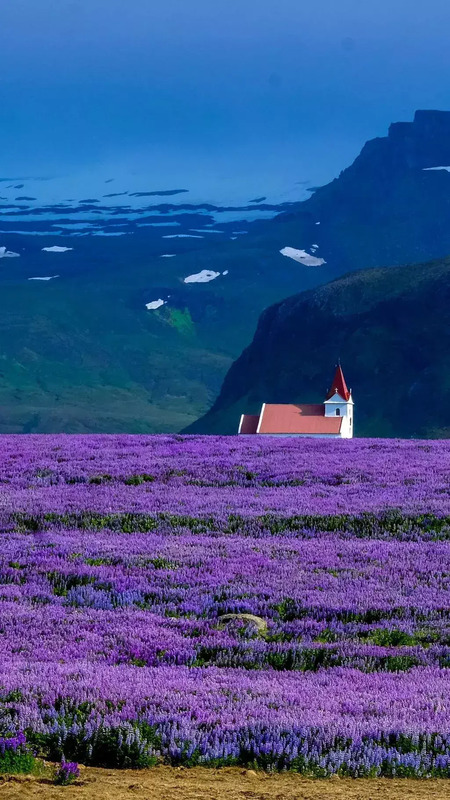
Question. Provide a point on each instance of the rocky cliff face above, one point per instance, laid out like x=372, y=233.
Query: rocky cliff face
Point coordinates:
x=389, y=207
x=391, y=329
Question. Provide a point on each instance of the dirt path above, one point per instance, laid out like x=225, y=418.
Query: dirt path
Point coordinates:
x=165, y=783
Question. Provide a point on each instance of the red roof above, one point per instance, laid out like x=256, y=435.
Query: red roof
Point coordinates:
x=249, y=423
x=339, y=385
x=305, y=419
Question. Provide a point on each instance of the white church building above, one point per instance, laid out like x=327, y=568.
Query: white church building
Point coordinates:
x=332, y=419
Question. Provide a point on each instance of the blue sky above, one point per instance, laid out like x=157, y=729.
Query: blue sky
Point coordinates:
x=219, y=94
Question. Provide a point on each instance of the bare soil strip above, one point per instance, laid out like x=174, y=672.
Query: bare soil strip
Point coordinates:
x=167, y=783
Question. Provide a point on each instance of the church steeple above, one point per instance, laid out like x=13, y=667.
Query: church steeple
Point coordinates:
x=339, y=385
x=339, y=403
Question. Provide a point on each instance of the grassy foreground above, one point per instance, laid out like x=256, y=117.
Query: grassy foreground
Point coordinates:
x=168, y=783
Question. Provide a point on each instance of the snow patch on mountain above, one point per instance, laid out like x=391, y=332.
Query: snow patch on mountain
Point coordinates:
x=56, y=249
x=204, y=276
x=110, y=233
x=158, y=224
x=154, y=304
x=46, y=278
x=4, y=253
x=302, y=257
x=182, y=236
x=205, y=230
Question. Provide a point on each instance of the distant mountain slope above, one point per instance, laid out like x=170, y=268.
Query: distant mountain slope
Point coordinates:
x=81, y=352
x=391, y=206
x=390, y=327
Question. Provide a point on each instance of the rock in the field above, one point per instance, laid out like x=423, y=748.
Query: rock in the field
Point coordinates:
x=259, y=623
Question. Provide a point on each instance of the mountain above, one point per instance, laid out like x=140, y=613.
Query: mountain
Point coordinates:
x=391, y=329
x=82, y=351
x=391, y=205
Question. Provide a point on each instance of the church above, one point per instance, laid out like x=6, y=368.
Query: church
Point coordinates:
x=332, y=419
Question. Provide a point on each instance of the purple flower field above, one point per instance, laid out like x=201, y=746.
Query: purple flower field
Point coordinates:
x=283, y=603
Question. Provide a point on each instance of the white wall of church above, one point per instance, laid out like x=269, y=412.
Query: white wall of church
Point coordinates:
x=345, y=409
x=347, y=427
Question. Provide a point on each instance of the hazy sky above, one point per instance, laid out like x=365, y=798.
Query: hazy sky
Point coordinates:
x=267, y=89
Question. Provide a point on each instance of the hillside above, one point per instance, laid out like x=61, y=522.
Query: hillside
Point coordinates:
x=80, y=352
x=390, y=327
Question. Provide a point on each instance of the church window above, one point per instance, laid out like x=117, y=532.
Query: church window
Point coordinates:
x=338, y=412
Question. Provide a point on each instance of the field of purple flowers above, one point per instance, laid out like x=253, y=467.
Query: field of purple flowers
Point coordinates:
x=280, y=603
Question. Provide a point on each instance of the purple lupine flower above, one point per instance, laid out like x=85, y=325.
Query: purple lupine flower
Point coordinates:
x=67, y=773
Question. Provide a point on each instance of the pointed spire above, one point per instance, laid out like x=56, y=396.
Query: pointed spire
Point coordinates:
x=339, y=385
